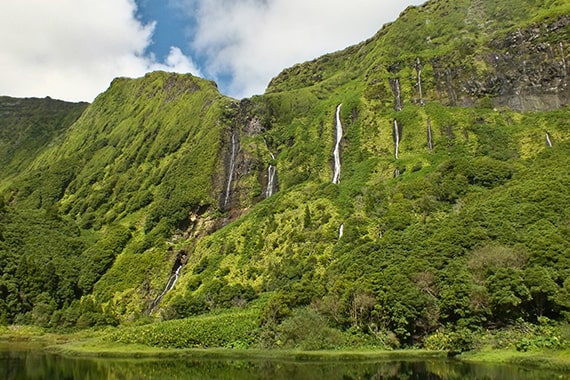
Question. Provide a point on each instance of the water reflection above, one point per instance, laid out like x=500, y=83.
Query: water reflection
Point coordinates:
x=28, y=362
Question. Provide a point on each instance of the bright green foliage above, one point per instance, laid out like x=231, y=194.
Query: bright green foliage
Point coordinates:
x=471, y=234
x=308, y=330
x=232, y=329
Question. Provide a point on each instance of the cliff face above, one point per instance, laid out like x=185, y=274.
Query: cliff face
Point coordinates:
x=527, y=70
x=523, y=68
x=246, y=158
x=178, y=200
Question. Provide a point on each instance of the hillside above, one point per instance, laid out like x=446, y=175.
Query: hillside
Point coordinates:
x=28, y=125
x=411, y=185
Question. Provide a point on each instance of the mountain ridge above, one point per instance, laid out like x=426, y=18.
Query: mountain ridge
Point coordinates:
x=449, y=210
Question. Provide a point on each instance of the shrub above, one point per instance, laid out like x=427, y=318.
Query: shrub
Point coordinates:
x=454, y=341
x=308, y=330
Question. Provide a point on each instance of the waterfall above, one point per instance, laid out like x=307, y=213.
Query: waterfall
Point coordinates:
x=396, y=139
x=429, y=135
x=235, y=145
x=563, y=59
x=450, y=90
x=336, y=153
x=271, y=170
x=340, y=231
x=548, y=140
x=564, y=65
x=396, y=173
x=419, y=71
x=395, y=85
x=169, y=285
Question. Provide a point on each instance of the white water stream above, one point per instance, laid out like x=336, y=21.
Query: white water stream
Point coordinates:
x=396, y=139
x=231, y=169
x=336, y=153
x=548, y=140
x=169, y=285
x=429, y=135
x=419, y=70
x=271, y=170
x=397, y=95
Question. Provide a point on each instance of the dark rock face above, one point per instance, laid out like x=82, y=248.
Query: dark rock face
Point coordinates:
x=527, y=70
x=244, y=169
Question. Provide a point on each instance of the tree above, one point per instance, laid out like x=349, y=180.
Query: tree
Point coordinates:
x=543, y=291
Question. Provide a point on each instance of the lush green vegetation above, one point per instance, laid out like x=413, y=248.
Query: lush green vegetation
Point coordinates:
x=466, y=245
x=28, y=126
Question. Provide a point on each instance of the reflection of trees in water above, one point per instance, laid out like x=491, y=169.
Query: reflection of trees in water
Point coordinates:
x=35, y=364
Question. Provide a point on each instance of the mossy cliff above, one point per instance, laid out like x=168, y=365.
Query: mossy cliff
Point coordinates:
x=167, y=199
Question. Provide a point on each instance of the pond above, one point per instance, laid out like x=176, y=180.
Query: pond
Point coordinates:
x=28, y=361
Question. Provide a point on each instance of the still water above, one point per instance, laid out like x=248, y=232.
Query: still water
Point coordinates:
x=24, y=361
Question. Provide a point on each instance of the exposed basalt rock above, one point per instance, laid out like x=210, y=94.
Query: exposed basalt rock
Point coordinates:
x=525, y=71
x=244, y=173
x=397, y=92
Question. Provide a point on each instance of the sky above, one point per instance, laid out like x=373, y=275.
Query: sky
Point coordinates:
x=72, y=49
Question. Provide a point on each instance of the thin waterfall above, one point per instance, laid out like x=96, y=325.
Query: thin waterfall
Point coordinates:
x=396, y=139
x=336, y=153
x=271, y=174
x=271, y=170
x=429, y=135
x=169, y=285
x=450, y=90
x=548, y=140
x=340, y=231
x=231, y=169
x=396, y=173
x=563, y=57
x=396, y=90
x=398, y=96
x=564, y=64
x=419, y=71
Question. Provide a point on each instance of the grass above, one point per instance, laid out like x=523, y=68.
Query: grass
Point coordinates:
x=91, y=344
x=98, y=348
x=558, y=360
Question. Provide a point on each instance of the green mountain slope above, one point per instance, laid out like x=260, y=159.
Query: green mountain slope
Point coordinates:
x=27, y=126
x=451, y=209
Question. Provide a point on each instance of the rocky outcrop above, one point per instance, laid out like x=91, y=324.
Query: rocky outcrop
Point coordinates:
x=526, y=70
x=245, y=172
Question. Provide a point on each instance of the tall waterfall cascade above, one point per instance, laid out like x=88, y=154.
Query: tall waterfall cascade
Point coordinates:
x=271, y=170
x=419, y=73
x=340, y=231
x=336, y=152
x=231, y=167
x=396, y=139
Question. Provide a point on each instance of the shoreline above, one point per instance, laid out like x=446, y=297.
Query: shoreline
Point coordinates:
x=89, y=346
x=127, y=351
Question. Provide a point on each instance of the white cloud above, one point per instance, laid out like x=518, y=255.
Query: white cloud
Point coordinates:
x=176, y=61
x=72, y=49
x=253, y=40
